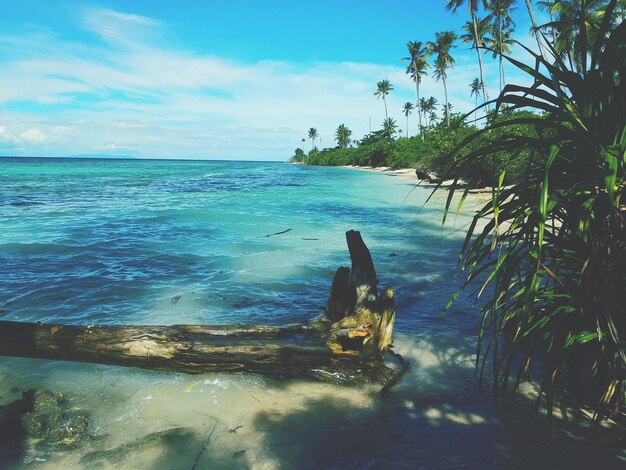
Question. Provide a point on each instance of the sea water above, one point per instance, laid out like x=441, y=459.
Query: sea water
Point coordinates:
x=94, y=241
x=114, y=241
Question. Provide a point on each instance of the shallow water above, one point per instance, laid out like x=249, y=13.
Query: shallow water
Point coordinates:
x=165, y=242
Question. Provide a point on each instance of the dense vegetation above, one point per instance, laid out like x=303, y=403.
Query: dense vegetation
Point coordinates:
x=430, y=151
x=553, y=246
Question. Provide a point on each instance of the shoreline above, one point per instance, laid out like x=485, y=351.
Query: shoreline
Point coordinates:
x=405, y=173
x=482, y=194
x=410, y=175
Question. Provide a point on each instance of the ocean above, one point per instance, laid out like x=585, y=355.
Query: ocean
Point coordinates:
x=114, y=241
x=91, y=241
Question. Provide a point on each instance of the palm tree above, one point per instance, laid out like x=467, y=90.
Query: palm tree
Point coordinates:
x=407, y=110
x=389, y=126
x=447, y=109
x=444, y=41
x=383, y=88
x=475, y=87
x=501, y=44
x=432, y=116
x=502, y=26
x=303, y=141
x=483, y=29
x=342, y=136
x=418, y=63
x=429, y=106
x=547, y=5
x=576, y=24
x=313, y=135
x=531, y=14
x=422, y=106
x=472, y=7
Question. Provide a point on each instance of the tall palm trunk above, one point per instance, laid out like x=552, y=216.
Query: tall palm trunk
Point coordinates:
x=534, y=23
x=407, y=126
x=500, y=58
x=417, y=92
x=475, y=107
x=385, y=103
x=445, y=92
x=480, y=62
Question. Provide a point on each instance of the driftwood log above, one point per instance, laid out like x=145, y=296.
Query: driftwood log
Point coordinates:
x=346, y=345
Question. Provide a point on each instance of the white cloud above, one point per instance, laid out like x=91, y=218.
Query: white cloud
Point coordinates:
x=131, y=94
x=6, y=137
x=32, y=136
x=119, y=28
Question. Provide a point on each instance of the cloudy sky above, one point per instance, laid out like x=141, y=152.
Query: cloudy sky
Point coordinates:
x=218, y=79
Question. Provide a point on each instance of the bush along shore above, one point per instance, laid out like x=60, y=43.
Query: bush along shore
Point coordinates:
x=432, y=152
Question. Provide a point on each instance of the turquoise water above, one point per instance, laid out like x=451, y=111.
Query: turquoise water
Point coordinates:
x=114, y=241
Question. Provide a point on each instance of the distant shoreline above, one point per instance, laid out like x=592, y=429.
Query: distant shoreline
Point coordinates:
x=405, y=173
x=410, y=175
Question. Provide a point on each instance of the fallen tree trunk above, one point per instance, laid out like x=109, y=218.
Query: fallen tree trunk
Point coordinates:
x=346, y=345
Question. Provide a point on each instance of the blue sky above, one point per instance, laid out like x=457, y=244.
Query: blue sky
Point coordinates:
x=217, y=79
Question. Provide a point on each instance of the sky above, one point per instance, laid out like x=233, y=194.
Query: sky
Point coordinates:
x=218, y=79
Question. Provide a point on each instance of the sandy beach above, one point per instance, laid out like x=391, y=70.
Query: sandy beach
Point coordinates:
x=406, y=173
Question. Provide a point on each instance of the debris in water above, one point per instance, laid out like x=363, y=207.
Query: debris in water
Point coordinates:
x=277, y=233
x=176, y=298
x=205, y=446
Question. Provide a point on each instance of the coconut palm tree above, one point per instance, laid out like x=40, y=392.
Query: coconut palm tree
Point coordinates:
x=430, y=106
x=422, y=106
x=475, y=87
x=444, y=41
x=576, y=24
x=342, y=136
x=418, y=63
x=390, y=126
x=535, y=28
x=472, y=7
x=480, y=36
x=407, y=109
x=313, y=135
x=502, y=28
x=383, y=88
x=432, y=116
x=501, y=44
x=547, y=6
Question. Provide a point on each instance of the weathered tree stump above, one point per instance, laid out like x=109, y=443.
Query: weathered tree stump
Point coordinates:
x=346, y=345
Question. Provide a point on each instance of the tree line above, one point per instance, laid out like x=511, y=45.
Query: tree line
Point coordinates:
x=490, y=34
